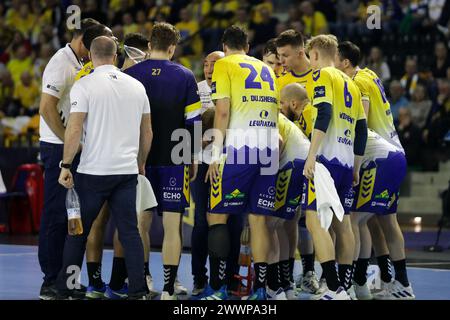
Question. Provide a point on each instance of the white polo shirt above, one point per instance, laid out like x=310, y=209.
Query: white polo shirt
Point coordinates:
x=57, y=80
x=114, y=103
x=204, y=91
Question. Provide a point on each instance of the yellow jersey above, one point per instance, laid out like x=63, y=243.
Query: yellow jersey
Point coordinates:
x=336, y=88
x=250, y=85
x=380, y=117
x=296, y=144
x=306, y=80
x=87, y=69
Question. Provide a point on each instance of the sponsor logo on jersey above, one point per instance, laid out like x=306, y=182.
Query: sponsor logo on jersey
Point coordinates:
x=346, y=117
x=383, y=195
x=236, y=194
x=49, y=86
x=319, y=91
x=295, y=201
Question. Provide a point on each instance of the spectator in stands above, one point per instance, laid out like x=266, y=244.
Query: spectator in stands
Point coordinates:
x=378, y=65
x=242, y=20
x=21, y=18
x=129, y=26
x=397, y=98
x=20, y=63
x=7, y=107
x=438, y=126
x=293, y=15
x=263, y=31
x=119, y=10
x=162, y=9
x=346, y=16
x=91, y=10
x=190, y=42
x=411, y=78
x=419, y=106
x=314, y=20
x=26, y=92
x=199, y=10
x=144, y=26
x=45, y=53
x=409, y=135
x=257, y=16
x=441, y=60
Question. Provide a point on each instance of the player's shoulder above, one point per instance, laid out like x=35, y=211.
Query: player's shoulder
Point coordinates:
x=58, y=62
x=326, y=72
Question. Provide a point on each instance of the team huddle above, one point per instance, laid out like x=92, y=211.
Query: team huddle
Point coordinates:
x=302, y=142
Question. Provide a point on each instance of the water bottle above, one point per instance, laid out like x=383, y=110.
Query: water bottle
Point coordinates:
x=74, y=224
x=245, y=257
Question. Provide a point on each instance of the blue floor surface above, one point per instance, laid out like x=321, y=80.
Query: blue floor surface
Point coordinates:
x=20, y=275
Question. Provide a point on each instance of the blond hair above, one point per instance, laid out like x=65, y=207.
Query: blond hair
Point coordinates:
x=325, y=43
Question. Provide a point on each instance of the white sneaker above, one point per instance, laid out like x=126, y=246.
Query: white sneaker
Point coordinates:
x=290, y=292
x=395, y=291
x=339, y=294
x=166, y=296
x=362, y=292
x=351, y=292
x=309, y=283
x=276, y=295
x=179, y=288
x=152, y=292
x=322, y=289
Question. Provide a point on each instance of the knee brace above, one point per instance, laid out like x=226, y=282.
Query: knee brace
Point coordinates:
x=218, y=241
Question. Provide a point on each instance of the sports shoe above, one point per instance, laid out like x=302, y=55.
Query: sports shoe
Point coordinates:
x=322, y=289
x=48, y=292
x=166, y=296
x=221, y=294
x=339, y=294
x=94, y=293
x=276, y=295
x=152, y=293
x=205, y=293
x=351, y=292
x=259, y=294
x=309, y=283
x=198, y=288
x=362, y=292
x=179, y=288
x=117, y=294
x=290, y=292
x=395, y=291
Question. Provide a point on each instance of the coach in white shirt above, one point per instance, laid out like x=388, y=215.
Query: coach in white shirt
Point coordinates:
x=57, y=80
x=112, y=111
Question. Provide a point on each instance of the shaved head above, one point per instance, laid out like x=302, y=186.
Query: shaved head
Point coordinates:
x=103, y=50
x=293, y=99
x=294, y=91
x=208, y=64
x=216, y=55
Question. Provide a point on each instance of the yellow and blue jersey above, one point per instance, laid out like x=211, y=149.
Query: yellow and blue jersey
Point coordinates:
x=296, y=144
x=380, y=117
x=306, y=80
x=88, y=68
x=250, y=85
x=336, y=88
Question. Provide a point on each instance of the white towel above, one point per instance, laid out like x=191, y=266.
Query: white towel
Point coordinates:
x=327, y=198
x=145, y=197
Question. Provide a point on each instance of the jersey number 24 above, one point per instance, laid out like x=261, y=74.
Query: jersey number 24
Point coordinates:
x=250, y=82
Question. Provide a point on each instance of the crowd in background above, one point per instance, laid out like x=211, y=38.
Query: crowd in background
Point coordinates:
x=410, y=52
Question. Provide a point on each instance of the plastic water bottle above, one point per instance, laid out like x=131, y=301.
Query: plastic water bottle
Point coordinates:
x=245, y=256
x=74, y=223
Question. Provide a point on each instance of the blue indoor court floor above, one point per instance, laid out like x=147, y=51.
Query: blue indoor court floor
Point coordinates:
x=20, y=275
